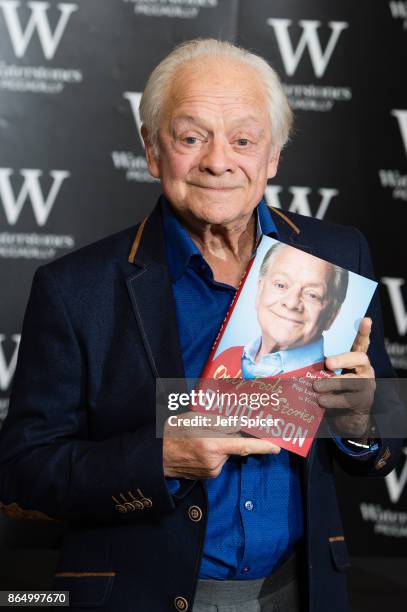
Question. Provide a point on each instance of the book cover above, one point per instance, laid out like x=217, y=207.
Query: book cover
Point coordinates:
x=291, y=311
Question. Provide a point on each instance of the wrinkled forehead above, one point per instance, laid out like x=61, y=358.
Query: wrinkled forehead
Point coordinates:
x=215, y=84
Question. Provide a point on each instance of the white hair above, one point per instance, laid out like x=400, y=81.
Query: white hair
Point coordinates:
x=280, y=114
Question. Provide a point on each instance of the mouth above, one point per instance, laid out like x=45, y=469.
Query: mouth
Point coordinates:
x=288, y=319
x=213, y=187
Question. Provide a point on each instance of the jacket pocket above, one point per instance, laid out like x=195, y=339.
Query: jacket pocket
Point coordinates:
x=84, y=567
x=86, y=589
x=339, y=553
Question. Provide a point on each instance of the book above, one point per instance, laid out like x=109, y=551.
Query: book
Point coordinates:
x=290, y=312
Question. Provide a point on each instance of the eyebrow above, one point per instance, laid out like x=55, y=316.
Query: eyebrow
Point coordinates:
x=200, y=121
x=311, y=284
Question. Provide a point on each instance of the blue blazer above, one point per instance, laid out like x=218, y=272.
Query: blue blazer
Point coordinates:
x=79, y=443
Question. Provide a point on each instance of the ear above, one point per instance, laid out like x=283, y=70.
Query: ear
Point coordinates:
x=152, y=161
x=273, y=162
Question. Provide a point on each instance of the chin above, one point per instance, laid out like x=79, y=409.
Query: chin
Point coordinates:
x=286, y=345
x=283, y=342
x=219, y=212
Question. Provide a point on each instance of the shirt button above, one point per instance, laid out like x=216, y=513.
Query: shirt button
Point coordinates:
x=244, y=570
x=249, y=505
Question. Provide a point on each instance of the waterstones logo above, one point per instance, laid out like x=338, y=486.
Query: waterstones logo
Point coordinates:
x=310, y=97
x=397, y=351
x=133, y=165
x=134, y=98
x=300, y=200
x=37, y=26
x=394, y=286
x=181, y=9
x=396, y=483
x=30, y=193
x=8, y=365
x=401, y=116
x=385, y=521
x=399, y=11
x=309, y=41
x=392, y=178
x=8, y=362
x=389, y=522
x=37, y=22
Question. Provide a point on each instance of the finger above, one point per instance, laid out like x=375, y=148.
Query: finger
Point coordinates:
x=195, y=470
x=200, y=433
x=344, y=383
x=249, y=446
x=342, y=401
x=362, y=340
x=357, y=360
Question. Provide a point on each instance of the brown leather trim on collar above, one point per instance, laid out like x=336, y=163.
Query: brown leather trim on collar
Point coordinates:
x=286, y=219
x=139, y=233
x=136, y=243
x=14, y=511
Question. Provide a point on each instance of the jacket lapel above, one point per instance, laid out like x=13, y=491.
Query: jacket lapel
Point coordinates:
x=152, y=300
x=289, y=231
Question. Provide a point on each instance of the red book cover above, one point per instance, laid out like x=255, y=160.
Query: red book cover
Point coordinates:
x=290, y=312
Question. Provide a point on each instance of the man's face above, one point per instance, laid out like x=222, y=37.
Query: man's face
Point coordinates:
x=215, y=149
x=292, y=301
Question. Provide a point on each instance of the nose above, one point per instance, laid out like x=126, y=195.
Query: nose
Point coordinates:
x=292, y=299
x=217, y=158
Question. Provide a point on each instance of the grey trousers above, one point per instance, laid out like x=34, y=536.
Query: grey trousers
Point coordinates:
x=286, y=599
x=280, y=592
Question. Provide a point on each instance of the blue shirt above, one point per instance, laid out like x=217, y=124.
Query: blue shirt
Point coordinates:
x=280, y=361
x=256, y=501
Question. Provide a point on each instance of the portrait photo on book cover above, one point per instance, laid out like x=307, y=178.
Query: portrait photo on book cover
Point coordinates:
x=293, y=310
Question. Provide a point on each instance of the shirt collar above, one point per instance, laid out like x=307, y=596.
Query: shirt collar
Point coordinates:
x=180, y=247
x=265, y=223
x=291, y=359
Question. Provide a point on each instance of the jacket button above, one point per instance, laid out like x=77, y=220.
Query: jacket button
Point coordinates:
x=147, y=503
x=181, y=604
x=129, y=507
x=195, y=513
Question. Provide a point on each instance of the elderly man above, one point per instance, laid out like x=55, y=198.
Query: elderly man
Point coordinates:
x=176, y=524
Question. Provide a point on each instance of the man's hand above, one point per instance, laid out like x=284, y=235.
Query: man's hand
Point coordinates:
x=193, y=452
x=350, y=394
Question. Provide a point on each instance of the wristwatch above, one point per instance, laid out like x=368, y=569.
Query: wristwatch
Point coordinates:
x=367, y=442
